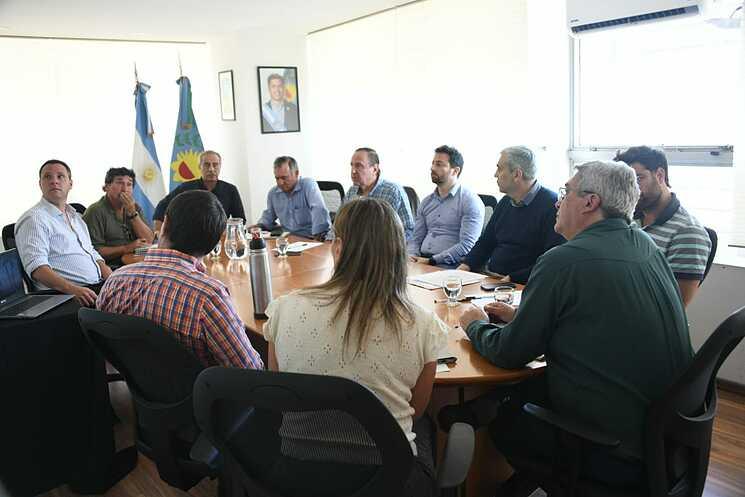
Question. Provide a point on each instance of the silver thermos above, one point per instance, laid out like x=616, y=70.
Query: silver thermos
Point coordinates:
x=261, y=278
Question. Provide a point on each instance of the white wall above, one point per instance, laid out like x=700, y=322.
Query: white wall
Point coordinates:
x=722, y=293
x=478, y=75
x=73, y=100
x=247, y=154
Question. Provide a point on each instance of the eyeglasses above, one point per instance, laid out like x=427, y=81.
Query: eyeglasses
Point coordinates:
x=564, y=190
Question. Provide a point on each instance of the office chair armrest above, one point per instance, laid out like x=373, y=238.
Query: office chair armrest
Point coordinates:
x=458, y=455
x=203, y=451
x=572, y=426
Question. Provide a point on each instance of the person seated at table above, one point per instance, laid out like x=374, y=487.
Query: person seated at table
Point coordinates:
x=605, y=310
x=170, y=287
x=681, y=237
x=449, y=220
x=115, y=221
x=53, y=241
x=296, y=202
x=210, y=163
x=367, y=181
x=362, y=325
x=522, y=226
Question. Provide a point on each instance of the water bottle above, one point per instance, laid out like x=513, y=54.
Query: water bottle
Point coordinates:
x=261, y=278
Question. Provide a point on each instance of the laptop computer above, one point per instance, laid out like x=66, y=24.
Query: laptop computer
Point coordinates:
x=15, y=303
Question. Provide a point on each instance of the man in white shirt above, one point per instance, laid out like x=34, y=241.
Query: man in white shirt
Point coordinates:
x=53, y=241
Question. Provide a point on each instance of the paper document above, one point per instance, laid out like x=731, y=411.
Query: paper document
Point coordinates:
x=435, y=280
x=301, y=246
x=442, y=368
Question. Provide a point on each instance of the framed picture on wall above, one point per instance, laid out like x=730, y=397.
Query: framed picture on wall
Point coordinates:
x=227, y=97
x=279, y=103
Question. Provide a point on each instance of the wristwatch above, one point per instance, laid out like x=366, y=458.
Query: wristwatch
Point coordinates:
x=132, y=216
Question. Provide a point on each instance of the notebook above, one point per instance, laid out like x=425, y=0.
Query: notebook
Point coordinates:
x=15, y=303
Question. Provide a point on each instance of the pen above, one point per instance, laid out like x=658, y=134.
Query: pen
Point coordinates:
x=464, y=298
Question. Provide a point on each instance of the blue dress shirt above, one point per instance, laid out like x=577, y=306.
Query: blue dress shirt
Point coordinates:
x=302, y=211
x=447, y=227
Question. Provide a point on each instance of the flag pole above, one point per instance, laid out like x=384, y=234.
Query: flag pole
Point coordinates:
x=180, y=71
x=137, y=79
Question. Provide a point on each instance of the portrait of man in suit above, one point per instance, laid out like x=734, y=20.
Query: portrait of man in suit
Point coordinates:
x=279, y=99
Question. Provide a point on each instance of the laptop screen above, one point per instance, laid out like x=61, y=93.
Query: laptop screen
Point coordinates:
x=11, y=275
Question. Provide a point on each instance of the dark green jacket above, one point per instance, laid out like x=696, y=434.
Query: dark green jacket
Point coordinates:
x=606, y=311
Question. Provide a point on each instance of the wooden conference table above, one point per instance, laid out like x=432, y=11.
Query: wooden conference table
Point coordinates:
x=469, y=377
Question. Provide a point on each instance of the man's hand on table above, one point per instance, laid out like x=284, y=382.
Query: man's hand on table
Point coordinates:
x=419, y=260
x=134, y=245
x=503, y=312
x=472, y=314
x=84, y=296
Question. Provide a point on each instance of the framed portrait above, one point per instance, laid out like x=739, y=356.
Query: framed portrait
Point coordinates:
x=279, y=103
x=227, y=97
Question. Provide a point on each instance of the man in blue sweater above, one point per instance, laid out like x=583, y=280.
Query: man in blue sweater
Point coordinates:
x=522, y=226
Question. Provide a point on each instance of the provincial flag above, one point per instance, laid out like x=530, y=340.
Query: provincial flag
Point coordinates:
x=187, y=145
x=149, y=187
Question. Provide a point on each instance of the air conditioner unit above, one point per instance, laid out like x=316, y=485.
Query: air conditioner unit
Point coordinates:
x=585, y=16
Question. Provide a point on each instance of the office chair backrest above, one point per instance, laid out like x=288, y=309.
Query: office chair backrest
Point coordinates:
x=333, y=195
x=490, y=204
x=714, y=241
x=679, y=425
x=9, y=236
x=160, y=374
x=413, y=200
x=307, y=404
x=80, y=208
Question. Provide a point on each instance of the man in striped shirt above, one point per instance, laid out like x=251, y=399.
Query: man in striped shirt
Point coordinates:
x=53, y=241
x=170, y=287
x=679, y=235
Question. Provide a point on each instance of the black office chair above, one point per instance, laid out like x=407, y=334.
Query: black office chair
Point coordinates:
x=677, y=435
x=413, y=199
x=714, y=241
x=490, y=205
x=9, y=236
x=333, y=196
x=80, y=208
x=160, y=374
x=291, y=403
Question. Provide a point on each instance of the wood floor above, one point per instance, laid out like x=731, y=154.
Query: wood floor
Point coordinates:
x=726, y=468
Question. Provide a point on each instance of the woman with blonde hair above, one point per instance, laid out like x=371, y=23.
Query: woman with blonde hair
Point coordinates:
x=362, y=325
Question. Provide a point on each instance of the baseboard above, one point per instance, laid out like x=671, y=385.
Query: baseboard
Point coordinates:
x=731, y=386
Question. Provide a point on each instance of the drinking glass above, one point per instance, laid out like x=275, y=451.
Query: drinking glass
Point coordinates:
x=215, y=253
x=504, y=294
x=282, y=244
x=452, y=287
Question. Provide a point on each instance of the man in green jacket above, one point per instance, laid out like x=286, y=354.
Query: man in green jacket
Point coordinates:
x=605, y=310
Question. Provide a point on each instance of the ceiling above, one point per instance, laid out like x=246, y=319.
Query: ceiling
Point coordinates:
x=175, y=20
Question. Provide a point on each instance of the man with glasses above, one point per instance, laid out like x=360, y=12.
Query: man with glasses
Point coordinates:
x=678, y=234
x=115, y=221
x=521, y=227
x=367, y=181
x=605, y=310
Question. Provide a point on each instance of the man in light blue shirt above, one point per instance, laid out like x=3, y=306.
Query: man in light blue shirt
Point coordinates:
x=53, y=240
x=366, y=181
x=296, y=202
x=449, y=220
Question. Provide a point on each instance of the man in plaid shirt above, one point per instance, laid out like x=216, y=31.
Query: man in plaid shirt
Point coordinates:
x=170, y=287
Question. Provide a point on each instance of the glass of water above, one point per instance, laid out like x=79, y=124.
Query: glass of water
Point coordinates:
x=282, y=244
x=504, y=294
x=452, y=287
x=215, y=253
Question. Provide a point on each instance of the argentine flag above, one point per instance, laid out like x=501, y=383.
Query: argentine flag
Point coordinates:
x=149, y=187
